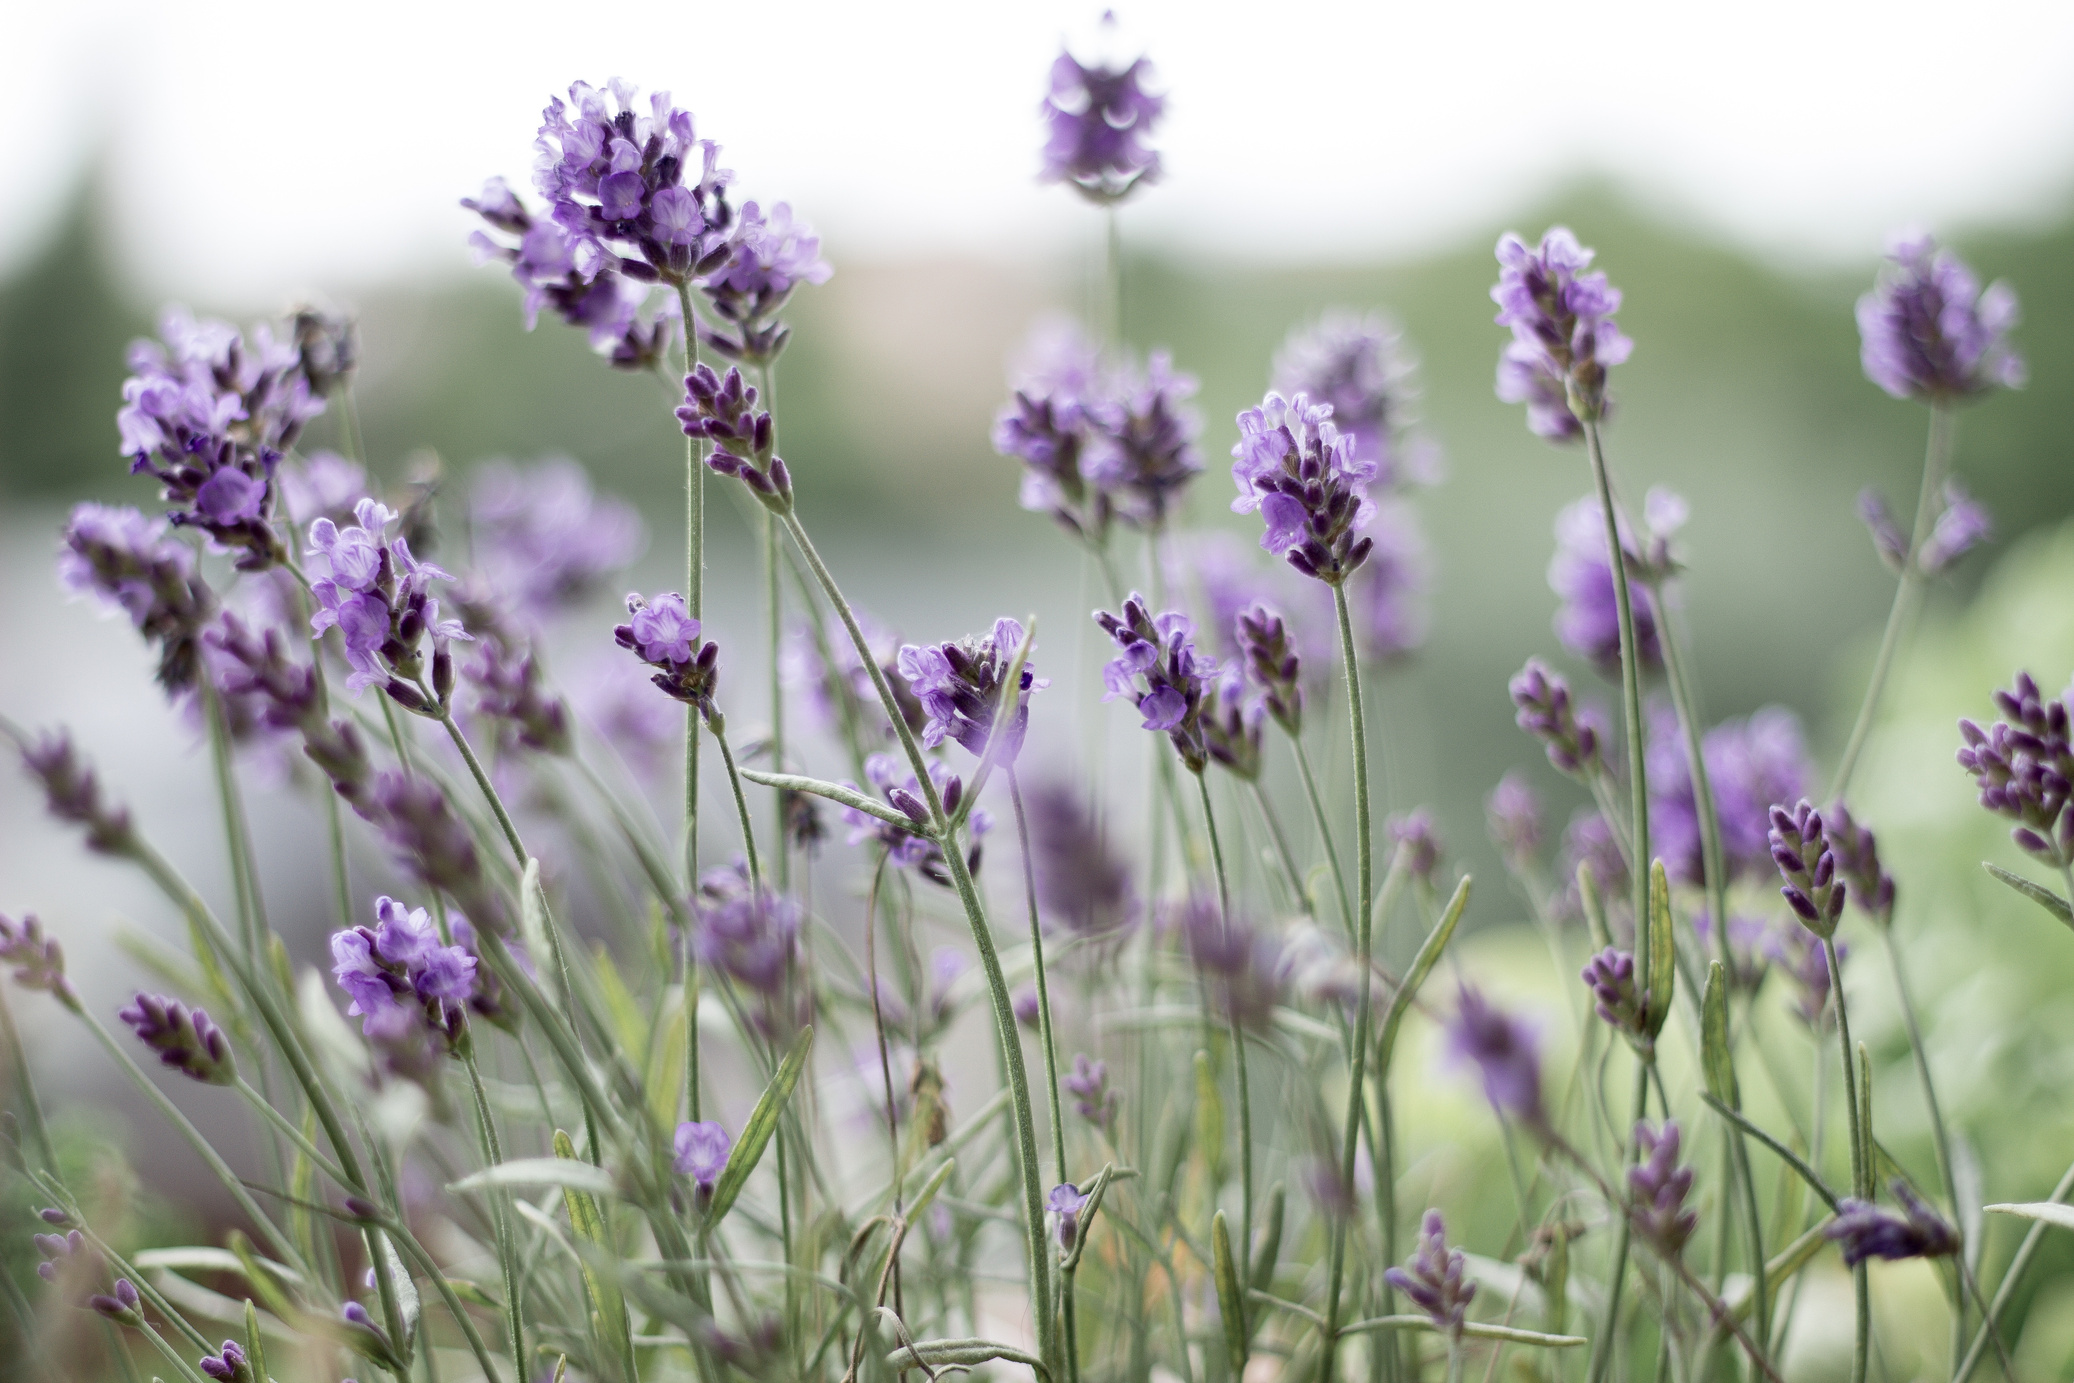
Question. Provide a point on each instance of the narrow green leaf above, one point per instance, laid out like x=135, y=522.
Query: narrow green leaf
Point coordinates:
x=570, y=1173
x=930, y=1187
x=533, y=926
x=407, y=1303
x=1421, y=966
x=1594, y=909
x=1267, y=1245
x=1555, y=1280
x=965, y=1353
x=263, y=1275
x=834, y=792
x=2050, y=1212
x=255, y=1348
x=607, y=1304
x=2037, y=893
x=1209, y=1118
x=1663, y=952
x=1475, y=1330
x=1719, y=1066
x=1786, y=1154
x=1231, y=1302
x=756, y=1134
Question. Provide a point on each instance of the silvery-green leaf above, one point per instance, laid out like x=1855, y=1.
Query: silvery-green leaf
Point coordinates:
x=566, y=1173
x=2050, y=1212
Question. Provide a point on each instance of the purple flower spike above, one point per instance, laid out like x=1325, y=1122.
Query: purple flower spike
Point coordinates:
x=379, y=597
x=1243, y=969
x=1506, y=1053
x=1751, y=763
x=1363, y=369
x=2024, y=768
x=72, y=793
x=1659, y=1187
x=38, y=960
x=1801, y=851
x=58, y=1250
x=1962, y=524
x=1928, y=330
x=1389, y=592
x=1161, y=654
x=701, y=1154
x=752, y=936
x=1858, y=861
x=915, y=849
x=1435, y=1277
x=184, y=1040
x=403, y=981
x=1272, y=664
x=1098, y=120
x=662, y=633
x=1066, y=1201
x=435, y=846
x=123, y=1305
x=767, y=257
x=1088, y=1084
x=1581, y=574
x=1547, y=713
x=1513, y=815
x=1610, y=975
x=960, y=687
x=1233, y=724
x=724, y=412
x=229, y=1364
x=1866, y=1231
x=1416, y=833
x=1563, y=336
x=1083, y=885
x=1301, y=472
x=129, y=563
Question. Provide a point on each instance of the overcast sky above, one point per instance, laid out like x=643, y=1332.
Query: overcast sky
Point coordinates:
x=264, y=149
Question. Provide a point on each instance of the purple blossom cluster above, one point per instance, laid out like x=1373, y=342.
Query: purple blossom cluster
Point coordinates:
x=1505, y=1051
x=130, y=563
x=1751, y=763
x=724, y=412
x=1233, y=723
x=915, y=849
x=1864, y=1230
x=1807, y=864
x=1587, y=619
x=2024, y=768
x=662, y=633
x=1242, y=967
x=254, y=670
x=1098, y=119
x=1659, y=1187
x=185, y=1039
x=402, y=979
x=379, y=597
x=1610, y=975
x=1929, y=331
x=37, y=958
x=1546, y=711
x=1272, y=664
x=750, y=934
x=1361, y=367
x=700, y=1152
x=209, y=415
x=960, y=687
x=1512, y=813
x=1563, y=336
x=1161, y=654
x=1436, y=1277
x=1962, y=523
x=1295, y=466
x=768, y=257
x=1083, y=884
x=1099, y=442
x=1088, y=1084
x=543, y=539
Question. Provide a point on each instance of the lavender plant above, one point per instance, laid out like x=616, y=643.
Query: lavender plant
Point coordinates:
x=619, y=1107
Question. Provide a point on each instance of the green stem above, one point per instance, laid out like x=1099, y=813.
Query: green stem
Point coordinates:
x=1861, y=1176
x=1364, y=865
x=1940, y=1138
x=694, y=586
x=734, y=781
x=500, y=1210
x=1310, y=791
x=1937, y=458
x=1238, y=1050
x=1051, y=1058
x=774, y=600
x=1606, y=1344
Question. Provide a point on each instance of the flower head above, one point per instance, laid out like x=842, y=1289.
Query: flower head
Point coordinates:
x=130, y=563
x=184, y=1039
x=1866, y=1231
x=1659, y=1187
x=1505, y=1051
x=749, y=933
x=1610, y=975
x=767, y=257
x=1098, y=119
x=1083, y=884
x=1794, y=949
x=1801, y=851
x=1546, y=711
x=1088, y=1084
x=915, y=848
x=1512, y=813
x=1140, y=448
x=1435, y=1277
x=72, y=793
x=1388, y=594
x=379, y=598
x=400, y=965
x=1361, y=367
x=724, y=412
x=543, y=539
x=1160, y=656
x=1067, y=1201
x=701, y=1154
x=1962, y=523
x=1928, y=330
x=1858, y=861
x=1240, y=966
x=960, y=686
x=433, y=844
x=1563, y=336
x=1272, y=664
x=662, y=633
x=1587, y=620
x=1751, y=763
x=1418, y=836
x=229, y=1364
x=2024, y=767
x=1295, y=466
x=38, y=960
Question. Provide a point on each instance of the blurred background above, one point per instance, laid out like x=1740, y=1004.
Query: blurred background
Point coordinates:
x=1737, y=168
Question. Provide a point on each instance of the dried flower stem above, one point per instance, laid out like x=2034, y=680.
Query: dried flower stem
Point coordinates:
x=1937, y=459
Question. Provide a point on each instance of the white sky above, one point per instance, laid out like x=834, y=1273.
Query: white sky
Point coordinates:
x=262, y=149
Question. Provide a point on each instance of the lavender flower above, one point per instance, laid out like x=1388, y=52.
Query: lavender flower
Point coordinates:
x=327, y=348
x=1808, y=866
x=229, y=1364
x=38, y=960
x=1029, y=1010
x=1066, y=1201
x=724, y=412
x=1141, y=450
x=2024, y=768
x=748, y=933
x=57, y=1249
x=401, y=965
x=321, y=485
x=1294, y=466
x=379, y=597
x=662, y=633
x=1435, y=1277
x=1866, y=1231
x=1506, y=1053
x=914, y=849
x=1047, y=424
x=1659, y=1187
x=1232, y=725
x=1088, y=1084
x=1242, y=968
x=1563, y=336
x=1587, y=620
x=1415, y=833
x=127, y=561
x=1547, y=713
x=1098, y=120
x=960, y=688
x=1748, y=938
x=123, y=1305
x=616, y=699
x=543, y=539
x=1163, y=654
x=1513, y=815
x=1272, y=665
x=209, y=417
x=1591, y=841
x=1751, y=763
x=767, y=257
x=504, y=678
x=1928, y=330
x=701, y=1154
x=1610, y=975
x=1795, y=950
x=257, y=671
x=184, y=1040
x=1083, y=885
x=1858, y=861
x=72, y=793
x=1961, y=524
x=1361, y=367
